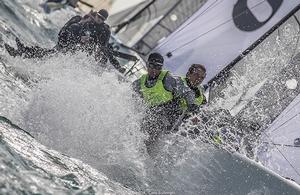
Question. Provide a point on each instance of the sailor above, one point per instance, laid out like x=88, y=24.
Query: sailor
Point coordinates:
x=159, y=89
x=89, y=33
x=52, y=5
x=194, y=77
x=89, y=30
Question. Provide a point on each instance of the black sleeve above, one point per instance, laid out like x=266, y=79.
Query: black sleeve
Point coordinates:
x=28, y=52
x=73, y=20
x=70, y=36
x=103, y=35
x=37, y=52
x=112, y=59
x=68, y=31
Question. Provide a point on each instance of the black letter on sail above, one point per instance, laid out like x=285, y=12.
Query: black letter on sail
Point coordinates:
x=245, y=20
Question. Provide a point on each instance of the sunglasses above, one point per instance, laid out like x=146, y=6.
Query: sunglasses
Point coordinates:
x=155, y=65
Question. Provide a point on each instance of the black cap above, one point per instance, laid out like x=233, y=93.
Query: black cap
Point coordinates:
x=103, y=14
x=156, y=58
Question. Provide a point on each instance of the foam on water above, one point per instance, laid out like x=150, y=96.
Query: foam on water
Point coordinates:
x=77, y=108
x=74, y=106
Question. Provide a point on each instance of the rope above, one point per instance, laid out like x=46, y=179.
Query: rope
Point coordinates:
x=284, y=145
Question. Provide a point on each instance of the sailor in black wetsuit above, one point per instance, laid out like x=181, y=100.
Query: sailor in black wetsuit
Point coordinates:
x=52, y=5
x=89, y=33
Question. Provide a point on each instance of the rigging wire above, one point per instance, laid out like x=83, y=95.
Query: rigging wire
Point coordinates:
x=285, y=122
x=185, y=25
x=216, y=27
x=284, y=145
x=282, y=155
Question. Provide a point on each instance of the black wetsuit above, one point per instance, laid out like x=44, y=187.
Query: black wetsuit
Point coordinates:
x=69, y=39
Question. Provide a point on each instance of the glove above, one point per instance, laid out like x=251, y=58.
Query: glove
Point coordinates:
x=12, y=51
x=15, y=52
x=122, y=70
x=192, y=108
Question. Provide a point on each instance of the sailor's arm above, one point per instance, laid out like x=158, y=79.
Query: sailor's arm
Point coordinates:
x=28, y=52
x=70, y=36
x=103, y=35
x=73, y=20
x=179, y=89
x=137, y=87
x=113, y=60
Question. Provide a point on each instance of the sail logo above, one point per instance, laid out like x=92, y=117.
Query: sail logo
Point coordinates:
x=244, y=17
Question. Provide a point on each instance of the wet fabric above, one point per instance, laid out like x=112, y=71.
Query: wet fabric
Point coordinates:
x=69, y=39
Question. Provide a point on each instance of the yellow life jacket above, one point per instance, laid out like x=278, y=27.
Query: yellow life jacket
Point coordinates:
x=156, y=95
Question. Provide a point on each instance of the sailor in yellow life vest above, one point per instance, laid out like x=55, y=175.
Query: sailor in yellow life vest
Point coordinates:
x=194, y=77
x=158, y=89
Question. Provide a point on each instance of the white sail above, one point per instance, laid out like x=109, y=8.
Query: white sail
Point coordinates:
x=281, y=150
x=220, y=31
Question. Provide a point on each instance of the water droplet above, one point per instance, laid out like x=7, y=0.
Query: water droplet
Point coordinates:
x=291, y=84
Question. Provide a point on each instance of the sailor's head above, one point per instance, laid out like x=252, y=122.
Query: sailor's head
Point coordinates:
x=154, y=64
x=196, y=74
x=97, y=17
x=103, y=14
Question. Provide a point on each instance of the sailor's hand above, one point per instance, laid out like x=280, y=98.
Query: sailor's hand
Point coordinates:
x=12, y=51
x=122, y=70
x=15, y=52
x=195, y=120
x=20, y=45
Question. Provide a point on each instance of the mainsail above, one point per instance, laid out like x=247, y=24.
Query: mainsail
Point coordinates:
x=220, y=31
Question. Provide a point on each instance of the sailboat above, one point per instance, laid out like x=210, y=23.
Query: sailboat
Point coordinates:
x=250, y=50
